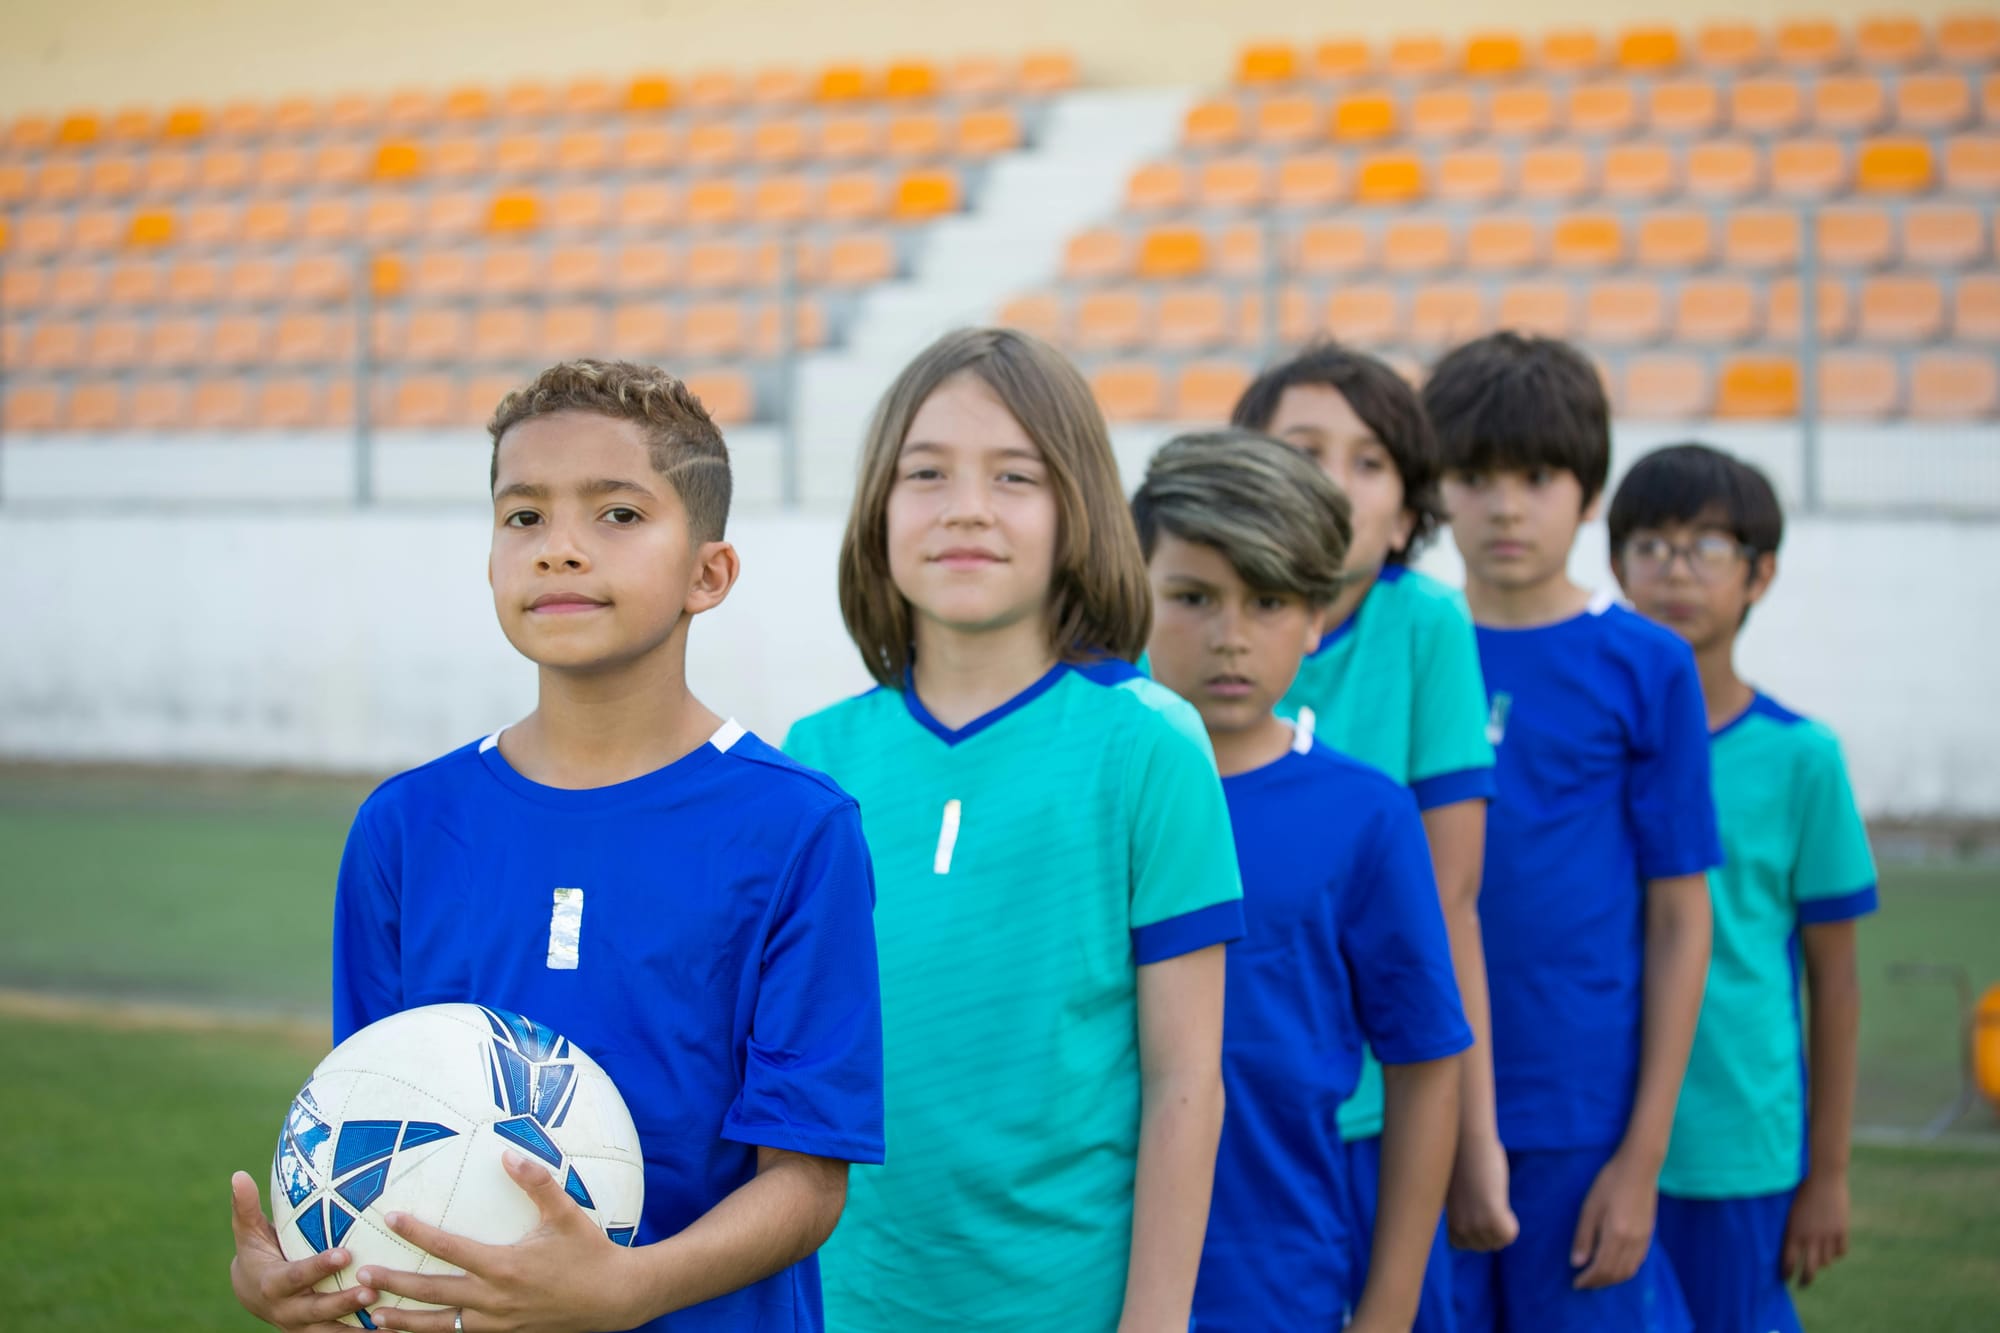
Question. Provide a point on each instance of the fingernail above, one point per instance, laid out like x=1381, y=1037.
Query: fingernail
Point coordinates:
x=395, y=1220
x=513, y=1159
x=366, y=1277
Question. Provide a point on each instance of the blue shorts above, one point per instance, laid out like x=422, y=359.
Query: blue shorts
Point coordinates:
x=1527, y=1287
x=1728, y=1254
x=1364, y=1187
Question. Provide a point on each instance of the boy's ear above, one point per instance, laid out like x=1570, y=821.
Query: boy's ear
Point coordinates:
x=716, y=568
x=1315, y=627
x=1591, y=508
x=1762, y=571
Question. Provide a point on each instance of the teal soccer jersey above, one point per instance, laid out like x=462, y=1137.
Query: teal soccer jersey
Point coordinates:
x=1397, y=686
x=1795, y=854
x=1026, y=865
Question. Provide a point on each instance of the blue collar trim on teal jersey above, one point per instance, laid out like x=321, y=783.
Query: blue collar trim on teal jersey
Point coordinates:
x=1761, y=705
x=984, y=720
x=1388, y=574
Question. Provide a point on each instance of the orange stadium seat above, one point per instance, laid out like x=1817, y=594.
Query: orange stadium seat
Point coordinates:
x=852, y=196
x=1039, y=313
x=458, y=158
x=1769, y=105
x=1849, y=103
x=1809, y=44
x=158, y=405
x=1216, y=122
x=1683, y=106
x=1364, y=314
x=1933, y=101
x=1111, y=318
x=1976, y=307
x=1623, y=311
x=509, y=270
x=781, y=140
x=454, y=215
x=1587, y=241
x=1900, y=308
x=1309, y=180
x=1188, y=318
x=1097, y=253
x=98, y=230
x=96, y=405
x=1289, y=120
x=193, y=281
x=582, y=152
x=716, y=263
x=645, y=266
x=1332, y=247
x=1418, y=56
x=925, y=194
x=504, y=333
x=114, y=177
x=434, y=333
x=1715, y=310
x=714, y=329
x=328, y=221
x=1444, y=314
x=1238, y=250
x=221, y=404
x=1557, y=172
x=1608, y=108
x=727, y=395
x=1043, y=72
x=1944, y=235
x=1954, y=385
x=1969, y=39
x=58, y=182
x=1893, y=166
x=1809, y=168
x=445, y=274
x=1545, y=308
x=1232, y=183
x=22, y=288
x=1492, y=54
x=1443, y=114
x=1266, y=63
x=1757, y=387
x=1364, y=118
x=1571, y=51
x=714, y=144
x=572, y=329
x=132, y=283
x=428, y=400
x=1855, y=236
x=714, y=203
x=1523, y=111
x=647, y=206
x=1342, y=58
x=390, y=218
x=1473, y=175
x=1640, y=171
x=1389, y=178
x=849, y=138
x=576, y=268
x=1665, y=386
x=307, y=338
x=33, y=407
x=641, y=329
x=514, y=211
x=1761, y=239
x=115, y=344
x=579, y=208
x=76, y=285
x=521, y=155
x=291, y=403
x=1208, y=390
x=781, y=198
x=1129, y=390
x=1724, y=169
x=648, y=148
x=240, y=340
x=1858, y=385
x=1972, y=164
x=1167, y=253
x=1648, y=50
x=254, y=280
x=56, y=345
x=1418, y=245
x=979, y=76
x=1895, y=41
x=1501, y=243
x=984, y=132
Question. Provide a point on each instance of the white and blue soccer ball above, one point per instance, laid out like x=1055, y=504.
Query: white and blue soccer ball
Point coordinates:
x=411, y=1114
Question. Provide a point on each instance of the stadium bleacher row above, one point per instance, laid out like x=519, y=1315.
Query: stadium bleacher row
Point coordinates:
x=210, y=269
x=1657, y=196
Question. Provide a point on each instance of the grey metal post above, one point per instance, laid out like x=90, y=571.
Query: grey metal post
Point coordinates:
x=1273, y=268
x=6, y=219
x=788, y=375
x=1809, y=459
x=364, y=381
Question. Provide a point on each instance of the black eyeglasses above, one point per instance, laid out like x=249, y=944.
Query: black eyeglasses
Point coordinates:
x=1708, y=557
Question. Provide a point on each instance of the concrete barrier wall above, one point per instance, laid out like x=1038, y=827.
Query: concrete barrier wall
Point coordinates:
x=366, y=640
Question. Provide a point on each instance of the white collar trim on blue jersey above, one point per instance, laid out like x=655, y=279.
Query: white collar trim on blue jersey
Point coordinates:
x=490, y=741
x=1602, y=600
x=727, y=735
x=1302, y=731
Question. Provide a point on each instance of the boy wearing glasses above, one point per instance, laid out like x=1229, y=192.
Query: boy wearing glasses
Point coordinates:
x=1754, y=1190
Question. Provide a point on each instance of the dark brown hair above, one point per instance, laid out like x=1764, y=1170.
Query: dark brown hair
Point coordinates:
x=685, y=446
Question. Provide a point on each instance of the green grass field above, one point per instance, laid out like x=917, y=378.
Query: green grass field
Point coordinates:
x=215, y=891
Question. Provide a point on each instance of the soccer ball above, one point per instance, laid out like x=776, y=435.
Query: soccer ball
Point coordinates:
x=412, y=1114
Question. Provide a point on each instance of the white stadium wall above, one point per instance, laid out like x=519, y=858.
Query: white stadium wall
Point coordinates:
x=326, y=638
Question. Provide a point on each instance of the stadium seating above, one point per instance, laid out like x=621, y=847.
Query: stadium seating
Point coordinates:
x=1655, y=194
x=208, y=268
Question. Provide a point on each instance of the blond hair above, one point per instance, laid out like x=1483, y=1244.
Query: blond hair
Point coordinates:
x=1281, y=523
x=1099, y=604
x=685, y=446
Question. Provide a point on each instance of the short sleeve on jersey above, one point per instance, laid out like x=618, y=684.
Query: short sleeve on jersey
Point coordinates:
x=1394, y=937
x=367, y=944
x=812, y=1081
x=1669, y=797
x=1834, y=879
x=1186, y=890
x=1450, y=758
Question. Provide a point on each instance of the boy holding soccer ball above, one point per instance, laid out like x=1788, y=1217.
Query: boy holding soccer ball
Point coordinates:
x=627, y=867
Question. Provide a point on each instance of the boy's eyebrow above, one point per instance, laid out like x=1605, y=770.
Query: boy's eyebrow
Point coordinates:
x=1011, y=451
x=527, y=490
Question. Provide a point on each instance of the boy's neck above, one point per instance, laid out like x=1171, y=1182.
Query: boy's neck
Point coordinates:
x=961, y=676
x=1549, y=602
x=1343, y=607
x=602, y=728
x=1242, y=751
x=1724, y=692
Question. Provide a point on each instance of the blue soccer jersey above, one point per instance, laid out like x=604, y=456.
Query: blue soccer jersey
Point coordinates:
x=1603, y=775
x=703, y=931
x=1344, y=940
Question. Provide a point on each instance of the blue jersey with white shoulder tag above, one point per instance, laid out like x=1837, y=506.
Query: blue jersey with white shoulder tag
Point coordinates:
x=1344, y=940
x=1602, y=741
x=704, y=931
